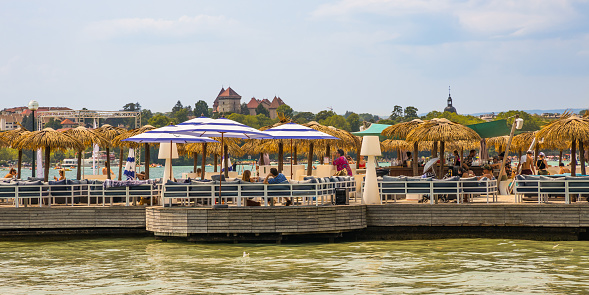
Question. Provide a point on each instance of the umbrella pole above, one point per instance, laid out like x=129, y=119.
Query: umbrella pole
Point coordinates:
x=121, y=154
x=435, y=150
x=204, y=160
x=574, y=157
x=47, y=159
x=442, y=160
x=291, y=154
x=328, y=152
x=18, y=168
x=171, y=176
x=107, y=163
x=310, y=160
x=225, y=161
x=220, y=202
x=559, y=157
x=79, y=172
x=415, y=151
x=215, y=162
x=582, y=157
x=146, y=161
x=195, y=162
x=296, y=161
x=280, y=156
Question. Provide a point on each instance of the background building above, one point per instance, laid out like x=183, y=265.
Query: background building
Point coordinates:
x=228, y=101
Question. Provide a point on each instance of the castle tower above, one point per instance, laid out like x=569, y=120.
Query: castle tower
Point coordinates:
x=449, y=108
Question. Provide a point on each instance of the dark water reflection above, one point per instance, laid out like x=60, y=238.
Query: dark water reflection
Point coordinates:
x=145, y=266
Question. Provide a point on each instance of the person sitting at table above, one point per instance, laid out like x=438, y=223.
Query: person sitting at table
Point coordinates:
x=563, y=169
x=407, y=162
x=456, y=158
x=361, y=163
x=247, y=177
x=276, y=178
x=350, y=160
x=11, y=173
x=487, y=172
x=507, y=171
x=467, y=162
x=341, y=163
x=61, y=175
x=104, y=172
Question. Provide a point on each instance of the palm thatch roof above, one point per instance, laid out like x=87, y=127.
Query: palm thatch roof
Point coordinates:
x=47, y=138
x=109, y=132
x=10, y=137
x=441, y=129
x=118, y=140
x=393, y=145
x=563, y=130
x=499, y=142
x=347, y=139
x=213, y=148
x=87, y=137
x=401, y=130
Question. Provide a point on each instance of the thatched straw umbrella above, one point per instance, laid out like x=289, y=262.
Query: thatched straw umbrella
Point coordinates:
x=499, y=142
x=48, y=139
x=109, y=132
x=10, y=138
x=400, y=131
x=118, y=141
x=442, y=130
x=87, y=138
x=568, y=128
x=347, y=141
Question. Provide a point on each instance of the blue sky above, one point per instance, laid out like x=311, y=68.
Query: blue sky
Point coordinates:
x=358, y=55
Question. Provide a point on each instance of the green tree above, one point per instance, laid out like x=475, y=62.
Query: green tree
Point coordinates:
x=286, y=110
x=368, y=117
x=181, y=115
x=201, y=108
x=461, y=119
x=132, y=107
x=531, y=122
x=52, y=123
x=177, y=107
x=304, y=117
x=324, y=115
x=354, y=122
x=410, y=113
x=261, y=110
x=145, y=116
x=397, y=113
x=244, y=109
x=336, y=121
x=159, y=120
x=27, y=122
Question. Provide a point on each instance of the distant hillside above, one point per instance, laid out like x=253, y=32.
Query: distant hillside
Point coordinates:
x=576, y=111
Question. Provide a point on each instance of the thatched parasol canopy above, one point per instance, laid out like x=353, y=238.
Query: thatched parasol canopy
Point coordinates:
x=48, y=139
x=568, y=128
x=401, y=130
x=442, y=130
x=499, y=142
x=10, y=138
x=87, y=138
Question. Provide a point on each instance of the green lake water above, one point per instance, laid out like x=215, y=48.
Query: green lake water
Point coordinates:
x=146, y=266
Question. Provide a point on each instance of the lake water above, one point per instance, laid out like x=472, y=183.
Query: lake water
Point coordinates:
x=146, y=266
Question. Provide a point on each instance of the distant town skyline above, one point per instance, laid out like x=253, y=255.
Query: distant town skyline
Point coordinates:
x=361, y=56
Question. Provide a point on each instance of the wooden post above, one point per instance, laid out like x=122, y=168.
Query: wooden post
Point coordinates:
x=47, y=163
x=310, y=160
x=226, y=161
x=294, y=155
x=442, y=160
x=215, y=162
x=280, y=156
x=519, y=159
x=121, y=151
x=574, y=157
x=358, y=150
x=414, y=162
x=560, y=157
x=582, y=157
x=18, y=168
x=79, y=172
x=147, y=159
x=507, y=149
x=195, y=161
x=262, y=162
x=204, y=160
x=536, y=152
x=435, y=151
x=107, y=163
x=399, y=158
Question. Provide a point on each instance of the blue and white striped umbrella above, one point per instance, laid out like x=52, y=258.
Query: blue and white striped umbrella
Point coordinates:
x=151, y=137
x=296, y=131
x=130, y=165
x=221, y=127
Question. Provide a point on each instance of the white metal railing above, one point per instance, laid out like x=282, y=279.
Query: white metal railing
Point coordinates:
x=207, y=193
x=434, y=188
x=553, y=186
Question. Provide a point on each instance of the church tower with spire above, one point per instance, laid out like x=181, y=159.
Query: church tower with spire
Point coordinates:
x=449, y=108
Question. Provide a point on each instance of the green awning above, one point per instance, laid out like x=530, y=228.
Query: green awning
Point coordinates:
x=374, y=130
x=491, y=129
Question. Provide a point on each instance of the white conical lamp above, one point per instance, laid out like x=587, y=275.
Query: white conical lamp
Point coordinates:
x=370, y=148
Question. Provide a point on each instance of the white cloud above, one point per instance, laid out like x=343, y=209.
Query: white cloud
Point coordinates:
x=493, y=17
x=182, y=26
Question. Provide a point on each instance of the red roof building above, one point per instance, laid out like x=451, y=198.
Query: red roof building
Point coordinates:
x=228, y=101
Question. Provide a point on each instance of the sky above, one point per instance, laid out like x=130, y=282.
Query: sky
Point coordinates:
x=359, y=55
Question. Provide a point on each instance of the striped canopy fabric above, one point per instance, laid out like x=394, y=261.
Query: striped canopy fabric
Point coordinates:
x=156, y=136
x=296, y=131
x=221, y=127
x=130, y=165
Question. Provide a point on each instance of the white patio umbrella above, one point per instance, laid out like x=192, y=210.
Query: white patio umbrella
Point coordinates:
x=295, y=131
x=167, y=137
x=222, y=128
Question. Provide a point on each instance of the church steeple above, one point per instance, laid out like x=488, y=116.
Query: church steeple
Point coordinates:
x=449, y=107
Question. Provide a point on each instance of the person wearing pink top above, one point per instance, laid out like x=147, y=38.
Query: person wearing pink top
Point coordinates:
x=341, y=162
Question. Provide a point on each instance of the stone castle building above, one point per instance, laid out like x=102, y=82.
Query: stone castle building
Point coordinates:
x=228, y=101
